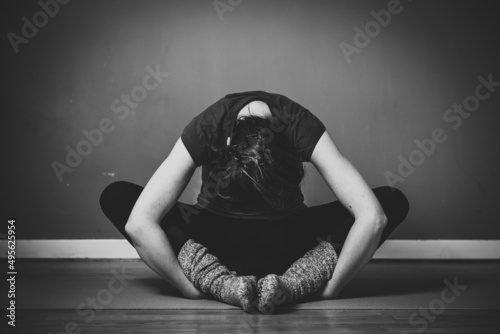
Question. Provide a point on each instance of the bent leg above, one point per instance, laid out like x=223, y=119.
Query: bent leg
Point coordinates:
x=209, y=275
x=327, y=225
x=396, y=208
x=332, y=221
x=117, y=201
x=304, y=277
x=226, y=238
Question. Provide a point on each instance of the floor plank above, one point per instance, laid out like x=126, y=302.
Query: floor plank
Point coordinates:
x=304, y=321
x=282, y=321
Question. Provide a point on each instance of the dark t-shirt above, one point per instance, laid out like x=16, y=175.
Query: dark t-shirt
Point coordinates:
x=211, y=129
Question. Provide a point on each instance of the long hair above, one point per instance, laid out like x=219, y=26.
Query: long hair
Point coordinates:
x=259, y=165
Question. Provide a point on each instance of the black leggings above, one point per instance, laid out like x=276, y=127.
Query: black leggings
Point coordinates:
x=252, y=246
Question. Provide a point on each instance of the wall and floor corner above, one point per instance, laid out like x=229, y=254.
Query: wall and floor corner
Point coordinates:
x=100, y=91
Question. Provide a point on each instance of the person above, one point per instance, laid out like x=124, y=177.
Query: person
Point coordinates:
x=250, y=240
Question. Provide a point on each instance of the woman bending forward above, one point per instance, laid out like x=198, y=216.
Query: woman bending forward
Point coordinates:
x=250, y=241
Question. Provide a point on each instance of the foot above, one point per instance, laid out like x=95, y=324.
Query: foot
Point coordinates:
x=272, y=291
x=240, y=291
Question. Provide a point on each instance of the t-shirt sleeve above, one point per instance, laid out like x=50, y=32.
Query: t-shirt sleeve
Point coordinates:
x=196, y=139
x=201, y=135
x=305, y=129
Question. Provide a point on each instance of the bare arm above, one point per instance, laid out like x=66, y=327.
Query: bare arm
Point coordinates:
x=355, y=194
x=143, y=226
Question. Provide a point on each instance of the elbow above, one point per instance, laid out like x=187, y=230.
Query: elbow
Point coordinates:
x=139, y=228
x=374, y=223
x=132, y=229
x=380, y=220
x=376, y=220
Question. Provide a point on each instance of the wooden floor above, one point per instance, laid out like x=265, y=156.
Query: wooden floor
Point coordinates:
x=303, y=322
x=282, y=321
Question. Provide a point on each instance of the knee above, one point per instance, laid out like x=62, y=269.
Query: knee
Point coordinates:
x=111, y=193
x=394, y=203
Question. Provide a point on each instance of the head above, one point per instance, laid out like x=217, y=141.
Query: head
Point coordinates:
x=259, y=165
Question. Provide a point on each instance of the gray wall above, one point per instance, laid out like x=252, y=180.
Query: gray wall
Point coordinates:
x=395, y=90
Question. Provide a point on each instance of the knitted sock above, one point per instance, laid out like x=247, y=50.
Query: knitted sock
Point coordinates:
x=304, y=277
x=207, y=274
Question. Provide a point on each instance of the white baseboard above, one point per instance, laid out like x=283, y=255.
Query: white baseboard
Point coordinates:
x=121, y=249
